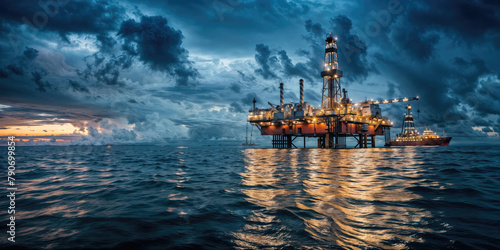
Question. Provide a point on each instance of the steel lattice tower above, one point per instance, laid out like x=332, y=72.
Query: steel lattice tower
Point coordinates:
x=408, y=124
x=331, y=76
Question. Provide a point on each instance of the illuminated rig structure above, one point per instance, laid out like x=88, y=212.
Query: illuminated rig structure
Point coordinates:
x=335, y=120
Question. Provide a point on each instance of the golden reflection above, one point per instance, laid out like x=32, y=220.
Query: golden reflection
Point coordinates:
x=269, y=185
x=349, y=198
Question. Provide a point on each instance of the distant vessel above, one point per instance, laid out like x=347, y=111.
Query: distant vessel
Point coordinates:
x=410, y=137
x=247, y=143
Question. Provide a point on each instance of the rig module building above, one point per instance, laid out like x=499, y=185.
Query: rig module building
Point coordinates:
x=336, y=119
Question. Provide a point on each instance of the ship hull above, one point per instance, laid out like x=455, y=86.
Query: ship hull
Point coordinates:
x=442, y=141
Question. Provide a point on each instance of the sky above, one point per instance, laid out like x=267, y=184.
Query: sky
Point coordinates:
x=159, y=72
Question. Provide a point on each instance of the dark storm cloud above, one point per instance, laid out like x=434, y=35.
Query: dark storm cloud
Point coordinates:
x=467, y=74
x=66, y=17
x=352, y=53
x=486, y=97
x=194, y=9
x=392, y=90
x=237, y=108
x=210, y=20
x=40, y=91
x=315, y=36
x=416, y=43
x=265, y=60
x=105, y=70
x=75, y=86
x=481, y=122
x=236, y=87
x=431, y=87
x=3, y=73
x=352, y=50
x=248, y=100
x=15, y=69
x=106, y=42
x=289, y=69
x=425, y=23
x=315, y=28
x=447, y=85
x=247, y=78
x=273, y=65
x=66, y=112
x=472, y=21
x=159, y=46
x=30, y=53
x=37, y=79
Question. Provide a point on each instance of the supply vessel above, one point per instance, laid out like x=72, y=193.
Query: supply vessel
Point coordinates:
x=410, y=137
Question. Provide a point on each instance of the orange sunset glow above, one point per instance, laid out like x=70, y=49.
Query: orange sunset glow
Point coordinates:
x=44, y=130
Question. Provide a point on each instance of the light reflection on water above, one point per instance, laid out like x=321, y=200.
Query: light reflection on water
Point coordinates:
x=341, y=197
x=148, y=197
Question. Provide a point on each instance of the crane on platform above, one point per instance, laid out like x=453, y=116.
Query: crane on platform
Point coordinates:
x=273, y=107
x=387, y=101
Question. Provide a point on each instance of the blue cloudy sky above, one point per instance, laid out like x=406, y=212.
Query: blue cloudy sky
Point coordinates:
x=100, y=72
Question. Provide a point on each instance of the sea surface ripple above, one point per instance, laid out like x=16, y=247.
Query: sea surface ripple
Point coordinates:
x=153, y=197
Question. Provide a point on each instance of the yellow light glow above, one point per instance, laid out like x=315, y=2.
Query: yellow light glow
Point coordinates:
x=52, y=129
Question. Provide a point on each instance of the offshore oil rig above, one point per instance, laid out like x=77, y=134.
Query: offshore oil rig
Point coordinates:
x=336, y=119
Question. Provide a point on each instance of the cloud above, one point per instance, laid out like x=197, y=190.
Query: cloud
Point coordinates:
x=485, y=97
x=106, y=133
x=265, y=60
x=248, y=100
x=105, y=69
x=414, y=41
x=37, y=79
x=3, y=73
x=470, y=21
x=30, y=53
x=289, y=69
x=15, y=69
x=235, y=87
x=159, y=46
x=278, y=65
x=127, y=69
x=237, y=108
x=391, y=90
x=315, y=28
x=160, y=129
x=352, y=50
x=66, y=17
x=75, y=86
x=467, y=74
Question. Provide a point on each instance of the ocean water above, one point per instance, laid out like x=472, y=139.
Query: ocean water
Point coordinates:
x=201, y=197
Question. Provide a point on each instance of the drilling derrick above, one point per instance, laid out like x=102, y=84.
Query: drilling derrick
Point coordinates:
x=333, y=122
x=331, y=75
